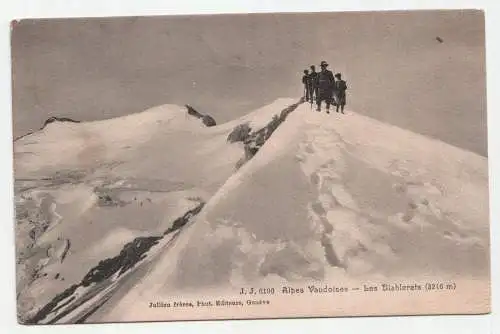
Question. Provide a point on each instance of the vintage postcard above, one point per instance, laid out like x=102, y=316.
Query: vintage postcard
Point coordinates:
x=246, y=166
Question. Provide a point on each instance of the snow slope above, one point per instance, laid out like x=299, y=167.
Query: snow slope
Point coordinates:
x=85, y=190
x=330, y=198
x=327, y=198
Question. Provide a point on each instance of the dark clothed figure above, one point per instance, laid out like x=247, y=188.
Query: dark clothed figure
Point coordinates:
x=340, y=96
x=307, y=84
x=313, y=90
x=325, y=83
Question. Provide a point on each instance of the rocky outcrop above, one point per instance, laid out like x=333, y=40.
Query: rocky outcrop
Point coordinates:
x=253, y=141
x=240, y=133
x=57, y=119
x=131, y=253
x=206, y=119
x=107, y=270
x=181, y=221
x=47, y=122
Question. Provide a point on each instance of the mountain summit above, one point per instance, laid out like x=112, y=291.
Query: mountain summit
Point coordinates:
x=157, y=204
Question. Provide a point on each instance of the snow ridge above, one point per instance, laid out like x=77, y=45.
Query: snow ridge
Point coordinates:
x=105, y=277
x=282, y=194
x=81, y=299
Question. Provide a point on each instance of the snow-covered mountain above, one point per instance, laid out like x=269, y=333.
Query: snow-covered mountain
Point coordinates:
x=158, y=204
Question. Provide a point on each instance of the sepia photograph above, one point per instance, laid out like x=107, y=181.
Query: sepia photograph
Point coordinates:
x=250, y=166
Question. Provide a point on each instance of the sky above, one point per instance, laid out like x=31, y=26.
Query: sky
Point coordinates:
x=229, y=65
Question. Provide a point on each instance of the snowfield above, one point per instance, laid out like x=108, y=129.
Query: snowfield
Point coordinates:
x=327, y=198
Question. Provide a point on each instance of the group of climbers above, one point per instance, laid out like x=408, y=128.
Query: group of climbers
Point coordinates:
x=324, y=86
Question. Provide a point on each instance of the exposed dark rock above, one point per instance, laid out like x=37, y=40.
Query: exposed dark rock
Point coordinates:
x=206, y=119
x=181, y=221
x=39, y=226
x=48, y=121
x=51, y=305
x=191, y=111
x=132, y=253
x=66, y=247
x=57, y=119
x=240, y=133
x=253, y=141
